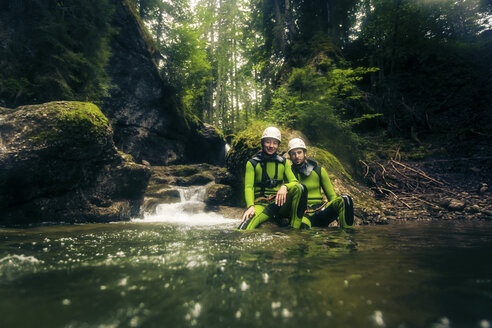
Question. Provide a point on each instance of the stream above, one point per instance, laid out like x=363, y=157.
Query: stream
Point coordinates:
x=181, y=267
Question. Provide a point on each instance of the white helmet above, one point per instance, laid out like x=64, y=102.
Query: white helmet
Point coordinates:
x=272, y=132
x=296, y=143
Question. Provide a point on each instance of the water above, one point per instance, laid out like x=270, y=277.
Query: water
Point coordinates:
x=195, y=270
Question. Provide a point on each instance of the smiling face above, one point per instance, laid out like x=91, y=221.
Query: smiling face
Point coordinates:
x=270, y=145
x=297, y=156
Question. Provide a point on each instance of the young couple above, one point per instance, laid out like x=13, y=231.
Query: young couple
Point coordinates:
x=275, y=190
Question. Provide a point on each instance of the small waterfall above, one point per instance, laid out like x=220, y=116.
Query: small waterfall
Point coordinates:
x=189, y=211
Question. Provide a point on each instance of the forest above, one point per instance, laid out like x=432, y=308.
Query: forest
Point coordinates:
x=338, y=71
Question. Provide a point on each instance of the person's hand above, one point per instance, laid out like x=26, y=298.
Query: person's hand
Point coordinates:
x=281, y=196
x=248, y=213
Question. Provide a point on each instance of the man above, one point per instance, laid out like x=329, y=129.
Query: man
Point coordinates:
x=270, y=188
x=321, y=213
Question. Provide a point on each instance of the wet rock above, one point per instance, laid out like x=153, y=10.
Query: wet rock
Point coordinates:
x=456, y=205
x=483, y=188
x=59, y=163
x=219, y=194
x=198, y=179
x=163, y=192
x=474, y=209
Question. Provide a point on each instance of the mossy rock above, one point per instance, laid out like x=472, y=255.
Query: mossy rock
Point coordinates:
x=219, y=194
x=198, y=179
x=184, y=170
x=161, y=190
x=329, y=162
x=78, y=122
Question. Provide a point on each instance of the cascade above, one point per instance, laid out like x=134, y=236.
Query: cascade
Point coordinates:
x=190, y=210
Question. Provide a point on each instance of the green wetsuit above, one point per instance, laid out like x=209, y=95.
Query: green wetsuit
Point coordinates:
x=259, y=183
x=316, y=178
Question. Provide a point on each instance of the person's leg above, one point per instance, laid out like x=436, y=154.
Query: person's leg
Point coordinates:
x=262, y=214
x=295, y=205
x=339, y=208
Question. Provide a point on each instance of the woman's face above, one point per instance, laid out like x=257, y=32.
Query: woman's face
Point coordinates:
x=270, y=146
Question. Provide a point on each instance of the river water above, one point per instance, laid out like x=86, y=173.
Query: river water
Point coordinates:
x=184, y=268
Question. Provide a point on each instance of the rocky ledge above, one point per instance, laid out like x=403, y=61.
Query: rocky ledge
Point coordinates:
x=59, y=164
x=221, y=190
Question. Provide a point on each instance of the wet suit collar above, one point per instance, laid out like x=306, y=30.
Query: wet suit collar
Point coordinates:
x=260, y=157
x=306, y=168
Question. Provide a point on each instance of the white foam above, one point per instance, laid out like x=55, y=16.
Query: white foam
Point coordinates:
x=21, y=258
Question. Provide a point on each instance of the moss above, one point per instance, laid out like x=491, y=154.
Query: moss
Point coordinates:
x=77, y=121
x=328, y=161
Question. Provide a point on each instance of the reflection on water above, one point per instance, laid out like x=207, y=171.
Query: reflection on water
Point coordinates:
x=156, y=274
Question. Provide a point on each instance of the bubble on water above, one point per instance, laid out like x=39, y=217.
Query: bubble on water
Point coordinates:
x=484, y=324
x=286, y=313
x=120, y=254
x=134, y=322
x=266, y=277
x=443, y=323
x=244, y=286
x=345, y=283
x=257, y=314
x=196, y=310
x=123, y=282
x=377, y=318
x=166, y=285
x=328, y=313
x=369, y=302
x=66, y=301
x=276, y=305
x=232, y=289
x=238, y=314
x=103, y=287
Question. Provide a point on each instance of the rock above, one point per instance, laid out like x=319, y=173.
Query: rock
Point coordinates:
x=474, y=209
x=142, y=107
x=223, y=176
x=483, y=188
x=456, y=205
x=198, y=179
x=163, y=192
x=59, y=163
x=207, y=146
x=144, y=162
x=219, y=194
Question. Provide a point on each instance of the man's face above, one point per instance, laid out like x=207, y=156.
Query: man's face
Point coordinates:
x=297, y=156
x=270, y=146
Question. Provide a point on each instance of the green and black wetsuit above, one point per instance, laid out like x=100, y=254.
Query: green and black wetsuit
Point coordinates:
x=315, y=177
x=263, y=178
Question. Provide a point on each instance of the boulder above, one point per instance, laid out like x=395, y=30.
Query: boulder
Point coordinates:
x=59, y=164
x=218, y=194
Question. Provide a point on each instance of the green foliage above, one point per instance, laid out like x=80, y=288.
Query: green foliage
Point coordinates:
x=432, y=57
x=54, y=50
x=318, y=104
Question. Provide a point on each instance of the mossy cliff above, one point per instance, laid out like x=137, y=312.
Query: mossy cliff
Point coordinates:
x=59, y=163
